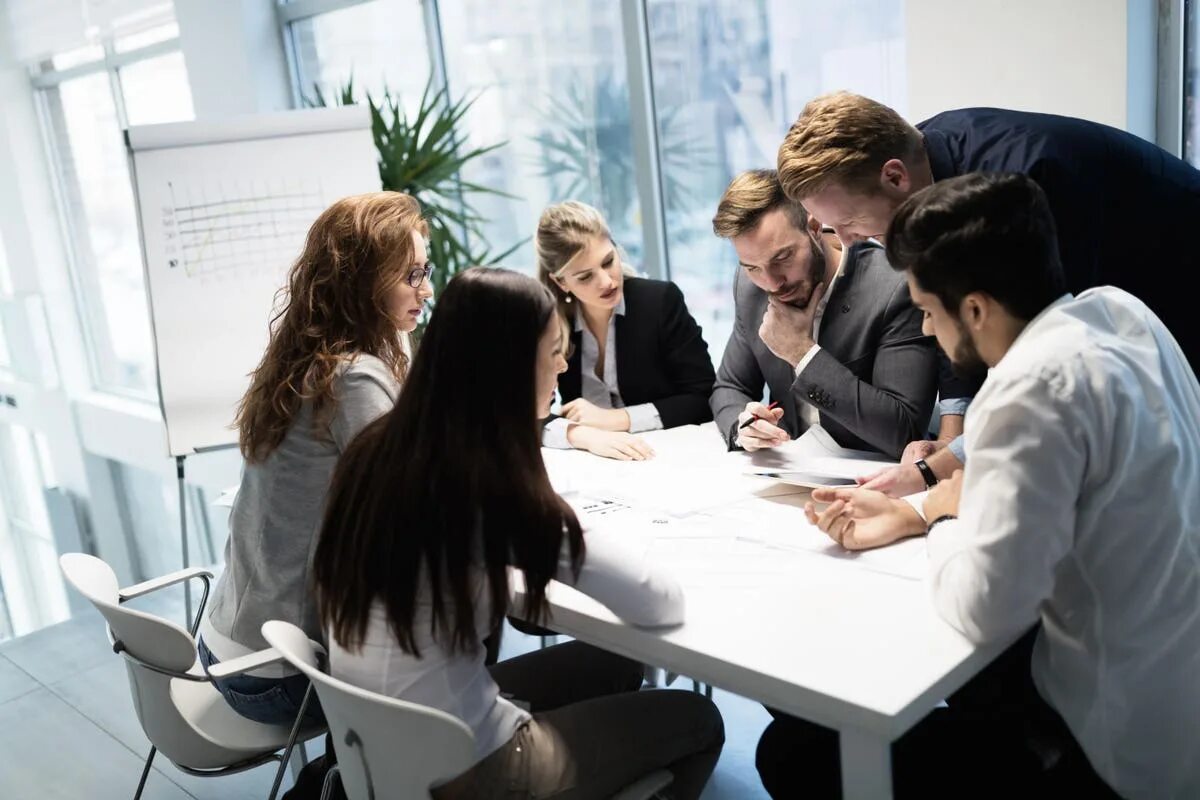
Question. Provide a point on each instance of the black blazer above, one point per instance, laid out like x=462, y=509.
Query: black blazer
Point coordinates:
x=1126, y=211
x=661, y=355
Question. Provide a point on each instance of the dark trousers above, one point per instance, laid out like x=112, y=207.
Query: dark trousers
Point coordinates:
x=995, y=738
x=592, y=733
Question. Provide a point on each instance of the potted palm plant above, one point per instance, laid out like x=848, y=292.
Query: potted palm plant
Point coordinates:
x=424, y=155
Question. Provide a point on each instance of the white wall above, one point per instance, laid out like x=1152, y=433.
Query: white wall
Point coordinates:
x=1092, y=59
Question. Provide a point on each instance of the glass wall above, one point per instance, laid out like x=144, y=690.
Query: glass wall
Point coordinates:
x=729, y=77
x=550, y=80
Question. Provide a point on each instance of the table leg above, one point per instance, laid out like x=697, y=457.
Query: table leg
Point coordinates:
x=866, y=766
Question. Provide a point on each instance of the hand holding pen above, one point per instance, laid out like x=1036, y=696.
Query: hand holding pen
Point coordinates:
x=758, y=427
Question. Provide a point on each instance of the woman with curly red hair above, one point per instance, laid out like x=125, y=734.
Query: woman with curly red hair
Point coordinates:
x=337, y=354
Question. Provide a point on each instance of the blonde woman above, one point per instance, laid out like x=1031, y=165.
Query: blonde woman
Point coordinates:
x=334, y=363
x=638, y=361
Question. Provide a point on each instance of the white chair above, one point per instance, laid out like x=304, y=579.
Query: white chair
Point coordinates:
x=385, y=747
x=180, y=710
x=390, y=748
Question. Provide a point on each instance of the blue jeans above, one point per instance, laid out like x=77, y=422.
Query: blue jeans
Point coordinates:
x=272, y=701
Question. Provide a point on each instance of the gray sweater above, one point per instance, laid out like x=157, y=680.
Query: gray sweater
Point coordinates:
x=274, y=523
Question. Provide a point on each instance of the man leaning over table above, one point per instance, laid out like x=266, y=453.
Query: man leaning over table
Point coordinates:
x=851, y=161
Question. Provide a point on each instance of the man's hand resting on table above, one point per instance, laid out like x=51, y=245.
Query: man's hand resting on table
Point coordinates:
x=860, y=519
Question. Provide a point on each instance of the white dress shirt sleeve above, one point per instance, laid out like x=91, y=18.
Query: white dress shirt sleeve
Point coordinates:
x=917, y=501
x=623, y=580
x=643, y=417
x=808, y=357
x=554, y=434
x=993, y=567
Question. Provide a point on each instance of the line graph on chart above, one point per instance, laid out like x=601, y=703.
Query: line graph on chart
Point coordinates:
x=224, y=229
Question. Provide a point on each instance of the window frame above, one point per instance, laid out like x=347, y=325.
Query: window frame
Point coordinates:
x=289, y=12
x=84, y=279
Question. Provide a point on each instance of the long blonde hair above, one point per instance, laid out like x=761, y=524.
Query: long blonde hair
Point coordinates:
x=333, y=307
x=563, y=232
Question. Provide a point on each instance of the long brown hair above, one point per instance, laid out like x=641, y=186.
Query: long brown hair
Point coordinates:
x=333, y=307
x=446, y=485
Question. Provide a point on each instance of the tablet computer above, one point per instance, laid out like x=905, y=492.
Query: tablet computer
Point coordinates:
x=812, y=480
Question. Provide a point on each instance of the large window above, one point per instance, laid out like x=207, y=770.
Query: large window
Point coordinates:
x=551, y=81
x=86, y=107
x=379, y=44
x=729, y=77
x=1191, y=81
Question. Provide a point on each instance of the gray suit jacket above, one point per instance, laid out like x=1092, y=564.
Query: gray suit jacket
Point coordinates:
x=874, y=379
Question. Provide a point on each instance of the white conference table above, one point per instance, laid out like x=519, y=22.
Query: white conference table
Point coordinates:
x=776, y=612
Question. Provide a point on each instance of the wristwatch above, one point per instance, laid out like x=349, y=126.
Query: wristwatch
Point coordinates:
x=939, y=520
x=926, y=473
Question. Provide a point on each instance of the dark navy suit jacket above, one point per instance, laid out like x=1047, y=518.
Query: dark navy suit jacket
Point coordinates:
x=1127, y=212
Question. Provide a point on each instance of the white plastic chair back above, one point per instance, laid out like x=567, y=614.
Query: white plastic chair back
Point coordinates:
x=386, y=748
x=189, y=722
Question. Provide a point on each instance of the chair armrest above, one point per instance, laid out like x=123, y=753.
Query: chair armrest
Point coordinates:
x=170, y=579
x=246, y=663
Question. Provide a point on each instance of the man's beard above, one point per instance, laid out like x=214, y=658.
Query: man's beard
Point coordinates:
x=816, y=274
x=966, y=362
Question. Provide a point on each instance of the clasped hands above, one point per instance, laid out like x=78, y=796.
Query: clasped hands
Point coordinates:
x=861, y=519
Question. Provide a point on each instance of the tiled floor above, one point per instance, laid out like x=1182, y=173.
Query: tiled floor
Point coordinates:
x=68, y=730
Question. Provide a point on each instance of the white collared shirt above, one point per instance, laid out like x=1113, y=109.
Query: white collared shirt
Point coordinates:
x=808, y=412
x=1081, y=507
x=602, y=393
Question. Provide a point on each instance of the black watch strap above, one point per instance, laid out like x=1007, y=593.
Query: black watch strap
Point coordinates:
x=939, y=520
x=926, y=473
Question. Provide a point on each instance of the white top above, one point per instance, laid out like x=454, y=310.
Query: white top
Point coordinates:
x=1081, y=508
x=460, y=684
x=601, y=392
x=809, y=412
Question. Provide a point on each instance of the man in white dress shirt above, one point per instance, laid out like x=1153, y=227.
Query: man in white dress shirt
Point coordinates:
x=1079, y=507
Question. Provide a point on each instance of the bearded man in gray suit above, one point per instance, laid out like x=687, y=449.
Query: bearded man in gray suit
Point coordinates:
x=832, y=335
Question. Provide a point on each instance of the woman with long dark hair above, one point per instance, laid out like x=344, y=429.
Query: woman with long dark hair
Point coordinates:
x=431, y=506
x=336, y=356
